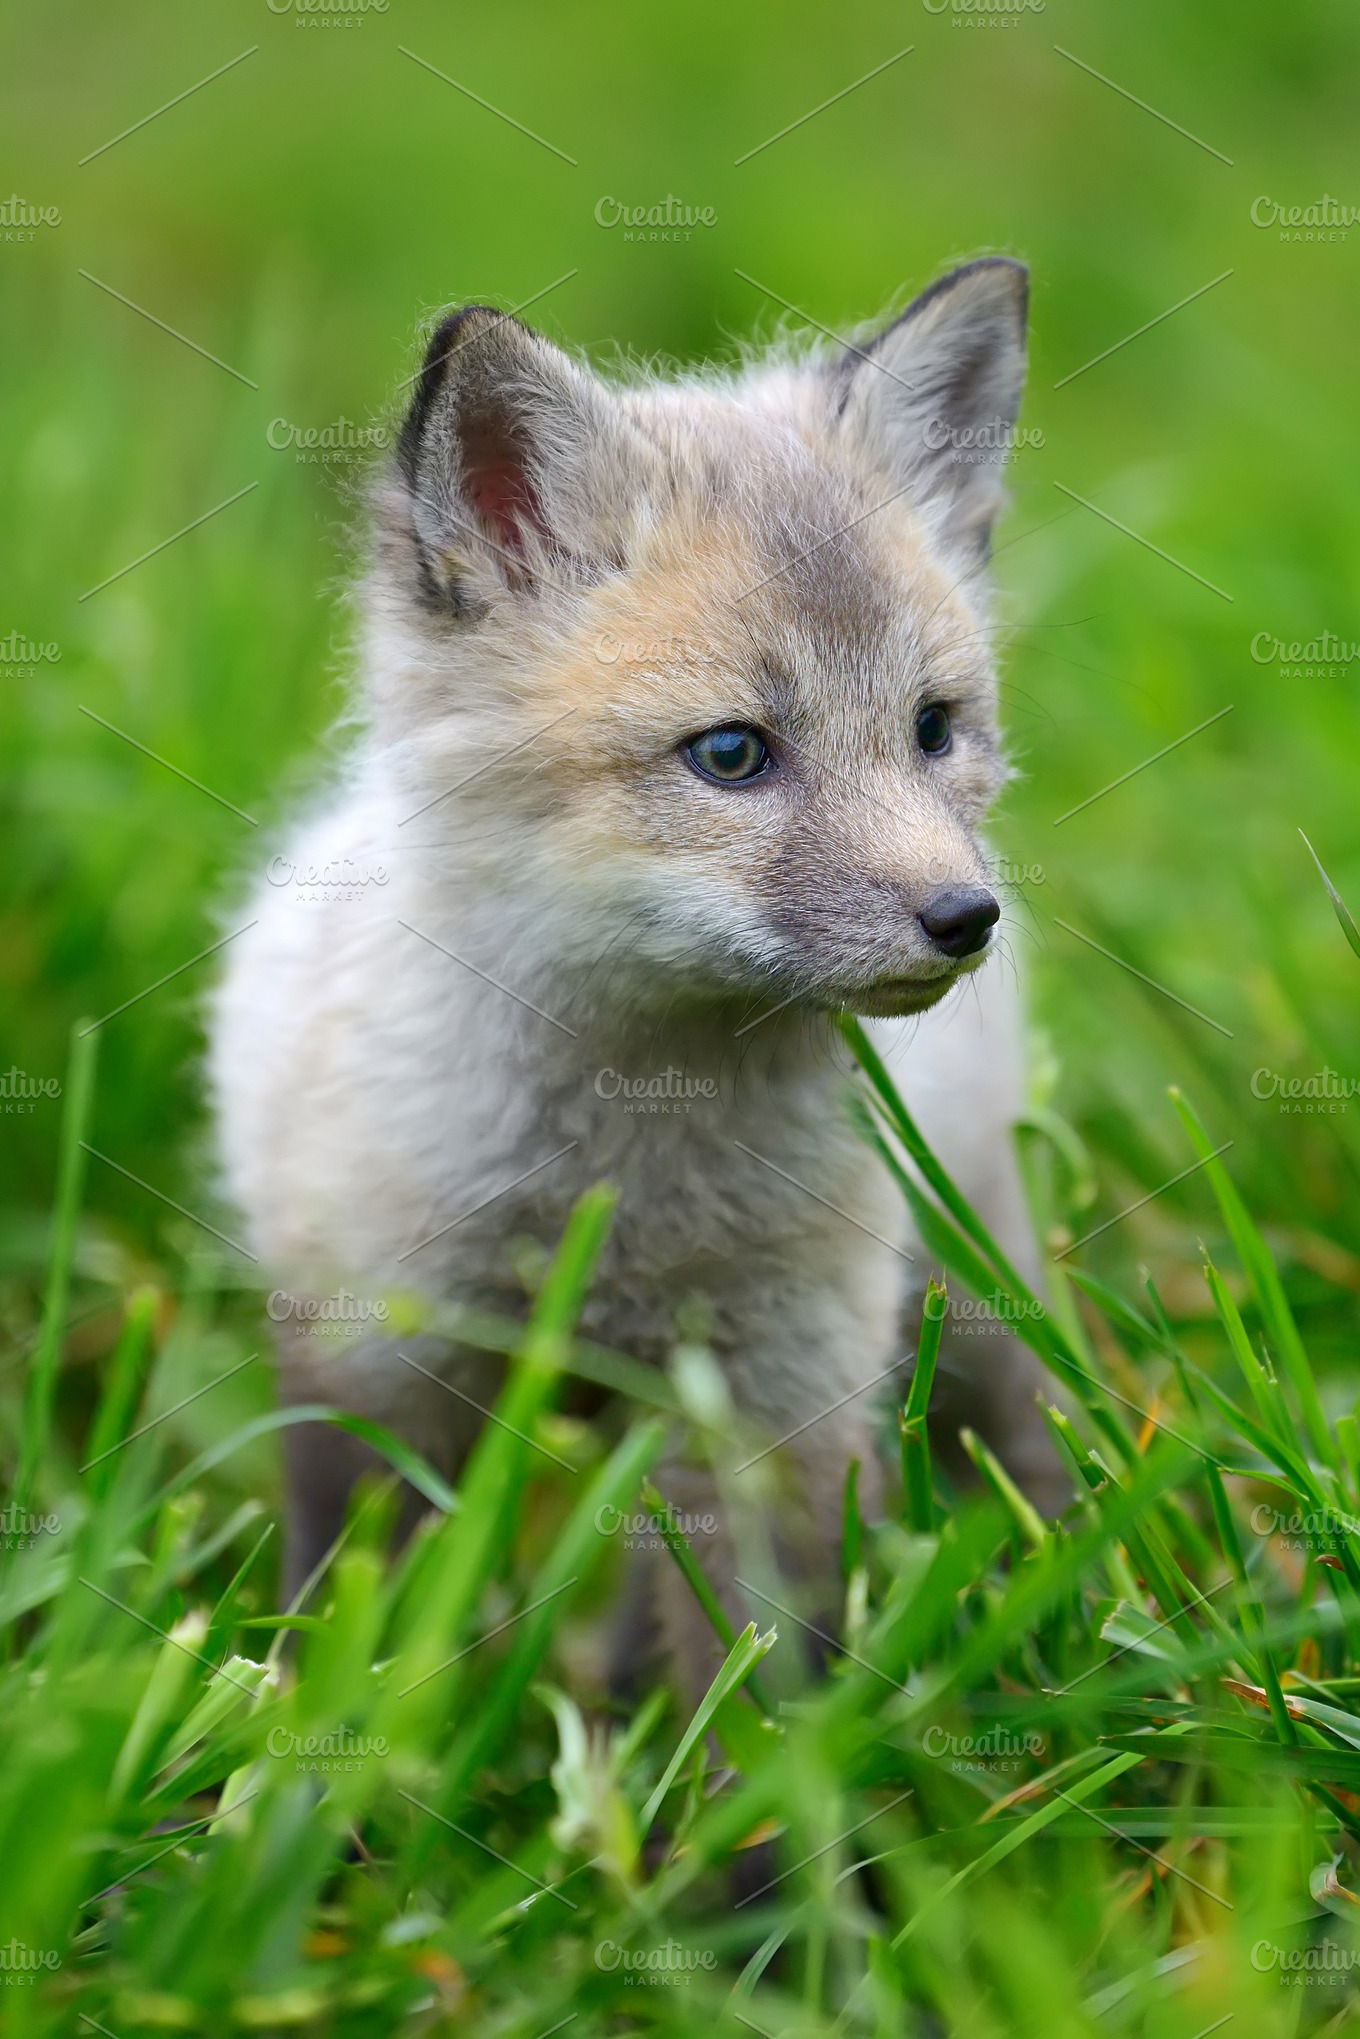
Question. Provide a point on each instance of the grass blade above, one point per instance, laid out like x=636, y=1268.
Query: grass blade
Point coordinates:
x=412, y=1467
x=1260, y=1270
x=916, y=1474
x=1339, y=906
x=745, y=1653
x=75, y=1123
x=119, y=1401
x=1027, y=1829
x=575, y=1555
x=677, y=1543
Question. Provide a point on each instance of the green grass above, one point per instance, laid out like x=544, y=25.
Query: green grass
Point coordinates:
x=299, y=218
x=1099, y=1774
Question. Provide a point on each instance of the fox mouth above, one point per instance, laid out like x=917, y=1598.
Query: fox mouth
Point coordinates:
x=883, y=997
x=893, y=996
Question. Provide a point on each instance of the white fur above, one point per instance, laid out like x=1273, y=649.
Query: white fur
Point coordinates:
x=400, y=1061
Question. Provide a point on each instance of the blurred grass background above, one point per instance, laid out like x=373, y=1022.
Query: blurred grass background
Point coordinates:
x=305, y=214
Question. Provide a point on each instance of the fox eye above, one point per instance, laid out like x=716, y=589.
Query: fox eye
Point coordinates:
x=932, y=730
x=729, y=755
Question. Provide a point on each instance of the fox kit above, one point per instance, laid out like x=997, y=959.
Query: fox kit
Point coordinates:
x=678, y=731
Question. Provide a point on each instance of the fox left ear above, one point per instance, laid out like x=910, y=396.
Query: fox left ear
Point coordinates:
x=519, y=467
x=914, y=400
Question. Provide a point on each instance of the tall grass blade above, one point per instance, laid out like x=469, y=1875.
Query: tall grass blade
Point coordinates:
x=1339, y=906
x=75, y=1123
x=1260, y=1270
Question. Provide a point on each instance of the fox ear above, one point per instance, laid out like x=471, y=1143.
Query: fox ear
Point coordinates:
x=946, y=376
x=519, y=467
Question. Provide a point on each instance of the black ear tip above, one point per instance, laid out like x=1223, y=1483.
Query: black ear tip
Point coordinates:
x=452, y=332
x=1000, y=277
x=1003, y=263
x=1011, y=273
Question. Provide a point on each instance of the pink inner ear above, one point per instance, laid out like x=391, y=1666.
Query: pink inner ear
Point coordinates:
x=501, y=491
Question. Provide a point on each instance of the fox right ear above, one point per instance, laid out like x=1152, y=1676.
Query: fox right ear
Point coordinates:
x=951, y=365
x=519, y=467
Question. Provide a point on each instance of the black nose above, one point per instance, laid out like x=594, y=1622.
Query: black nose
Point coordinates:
x=959, y=918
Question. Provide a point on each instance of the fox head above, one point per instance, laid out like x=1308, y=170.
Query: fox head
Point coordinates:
x=694, y=677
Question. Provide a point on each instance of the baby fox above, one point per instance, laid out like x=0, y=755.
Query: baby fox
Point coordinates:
x=678, y=730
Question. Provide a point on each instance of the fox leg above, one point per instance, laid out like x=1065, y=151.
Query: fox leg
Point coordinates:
x=323, y=1463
